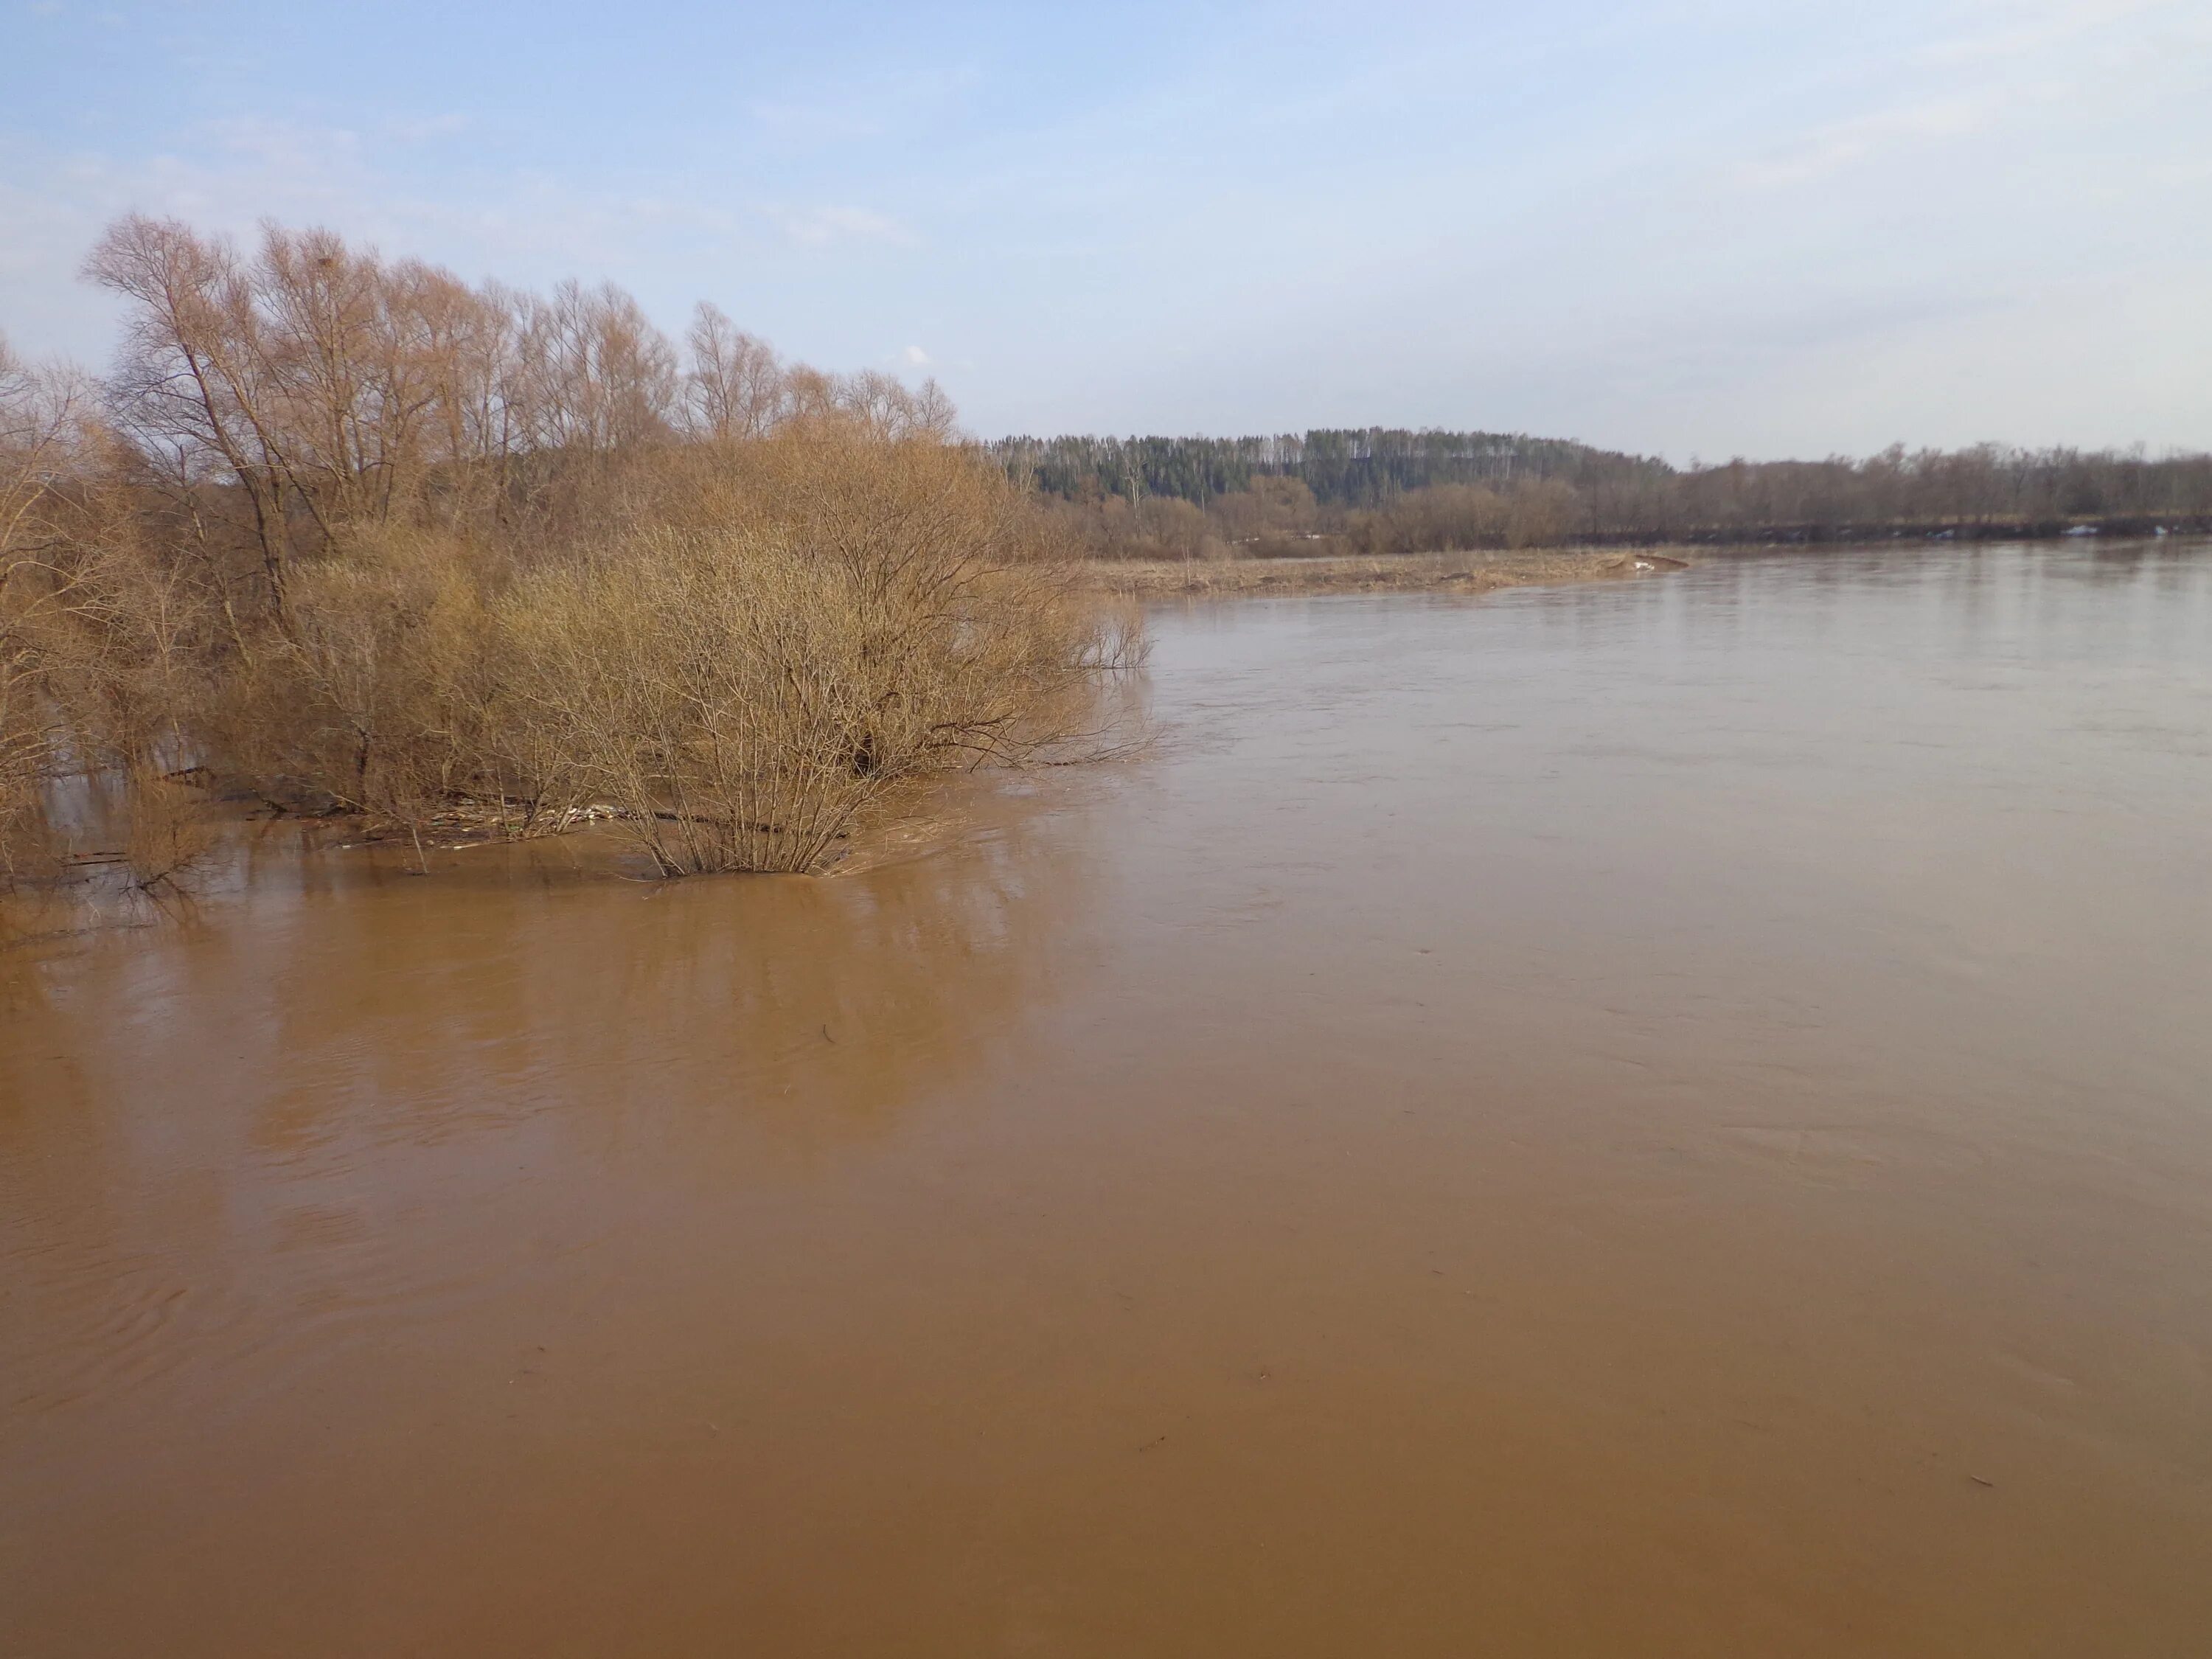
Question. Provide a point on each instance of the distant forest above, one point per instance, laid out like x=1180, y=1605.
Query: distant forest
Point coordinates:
x=1342, y=468
x=1390, y=490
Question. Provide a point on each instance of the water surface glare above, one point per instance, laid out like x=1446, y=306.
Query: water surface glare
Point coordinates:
x=1671, y=1118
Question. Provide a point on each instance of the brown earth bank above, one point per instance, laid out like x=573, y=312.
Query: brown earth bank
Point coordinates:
x=1455, y=573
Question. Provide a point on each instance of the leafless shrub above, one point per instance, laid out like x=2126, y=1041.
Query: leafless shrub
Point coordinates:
x=840, y=615
x=166, y=830
x=38, y=420
x=364, y=539
x=369, y=698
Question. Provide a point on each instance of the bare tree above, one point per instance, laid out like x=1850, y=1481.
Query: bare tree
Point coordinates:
x=189, y=385
x=592, y=373
x=35, y=418
x=735, y=386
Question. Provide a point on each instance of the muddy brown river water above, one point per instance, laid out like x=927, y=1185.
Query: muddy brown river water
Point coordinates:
x=1663, y=1118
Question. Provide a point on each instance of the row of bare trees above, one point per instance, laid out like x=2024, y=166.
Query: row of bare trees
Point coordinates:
x=346, y=534
x=1385, y=490
x=319, y=385
x=1279, y=516
x=1971, y=495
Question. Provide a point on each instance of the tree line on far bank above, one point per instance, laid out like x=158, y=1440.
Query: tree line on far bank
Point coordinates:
x=1389, y=490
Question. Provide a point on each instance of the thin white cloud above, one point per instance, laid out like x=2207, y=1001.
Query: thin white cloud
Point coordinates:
x=819, y=123
x=855, y=111
x=427, y=128
x=257, y=138
x=916, y=356
x=2020, y=28
x=819, y=227
x=1840, y=144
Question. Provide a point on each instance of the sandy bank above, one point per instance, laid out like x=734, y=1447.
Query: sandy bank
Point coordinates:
x=1450, y=573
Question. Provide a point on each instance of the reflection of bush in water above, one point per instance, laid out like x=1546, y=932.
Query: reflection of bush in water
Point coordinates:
x=814, y=1009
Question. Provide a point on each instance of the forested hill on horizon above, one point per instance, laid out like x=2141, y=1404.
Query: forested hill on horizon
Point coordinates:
x=1471, y=488
x=1343, y=467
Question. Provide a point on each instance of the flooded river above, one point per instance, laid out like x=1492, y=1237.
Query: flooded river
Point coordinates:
x=1665, y=1118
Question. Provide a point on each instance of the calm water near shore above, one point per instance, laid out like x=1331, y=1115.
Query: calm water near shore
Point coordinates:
x=1670, y=1117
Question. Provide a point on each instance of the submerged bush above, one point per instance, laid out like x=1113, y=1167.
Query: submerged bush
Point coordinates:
x=353, y=537
x=848, y=615
x=810, y=621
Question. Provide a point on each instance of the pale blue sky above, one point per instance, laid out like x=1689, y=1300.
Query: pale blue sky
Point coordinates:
x=1694, y=226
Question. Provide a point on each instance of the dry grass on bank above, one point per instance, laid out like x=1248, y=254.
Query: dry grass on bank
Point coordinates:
x=1443, y=573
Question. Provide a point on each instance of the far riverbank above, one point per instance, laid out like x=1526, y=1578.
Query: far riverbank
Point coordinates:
x=1451, y=573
